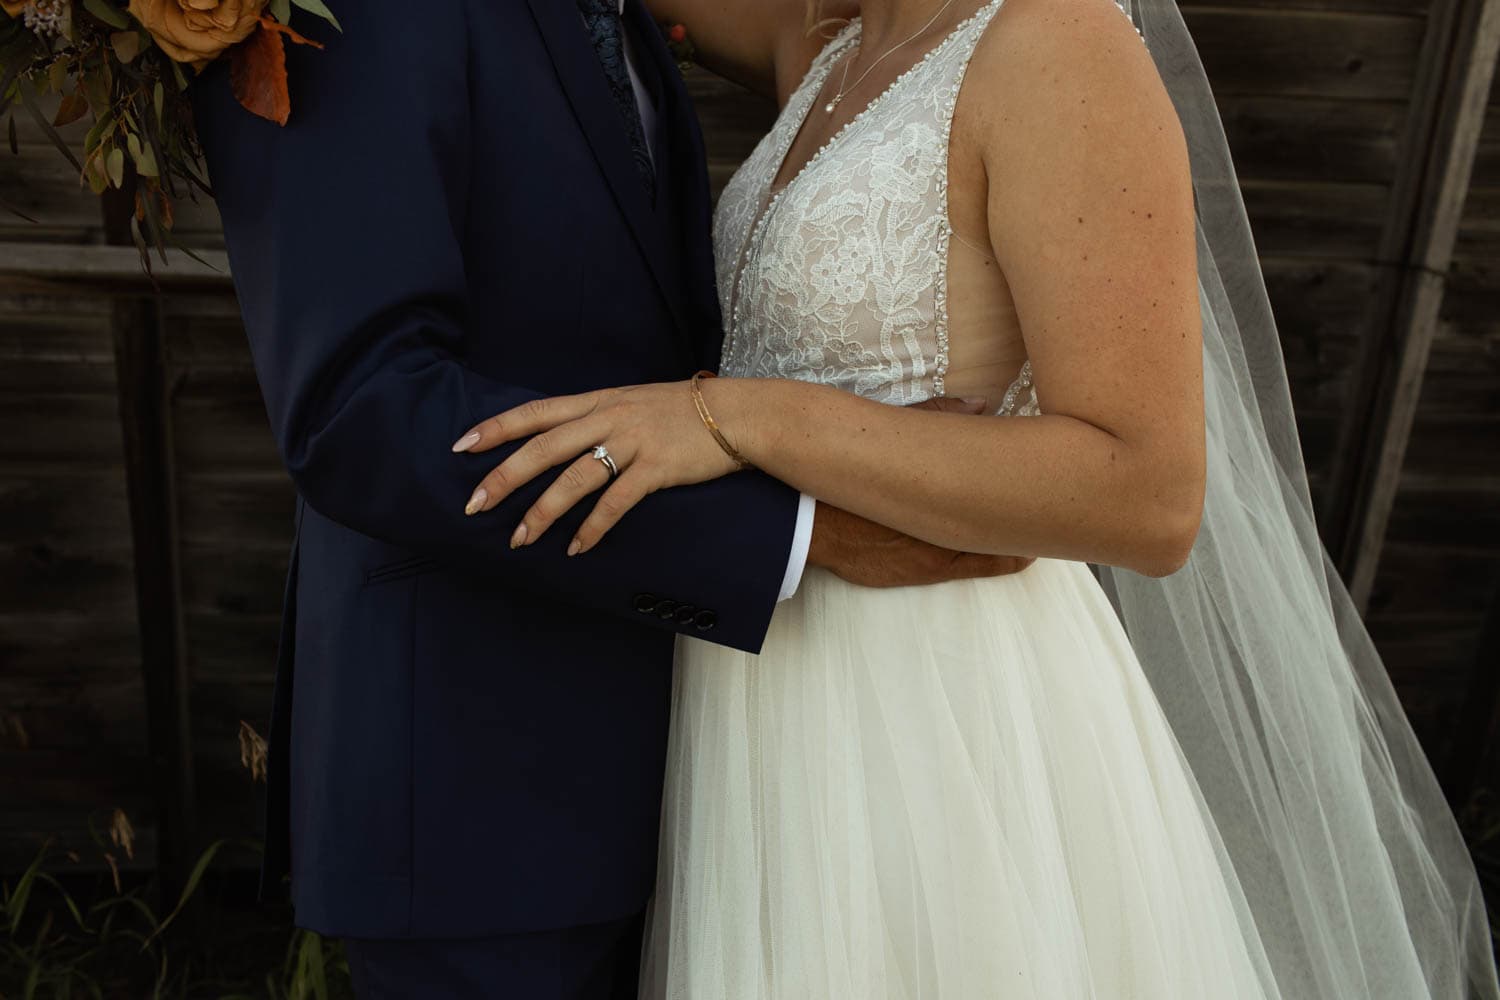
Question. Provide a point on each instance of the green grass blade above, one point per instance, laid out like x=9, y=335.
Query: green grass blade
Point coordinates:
x=204, y=860
x=15, y=906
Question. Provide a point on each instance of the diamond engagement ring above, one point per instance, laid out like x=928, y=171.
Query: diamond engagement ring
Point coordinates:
x=602, y=454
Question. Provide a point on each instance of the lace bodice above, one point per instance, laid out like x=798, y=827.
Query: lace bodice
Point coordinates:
x=841, y=276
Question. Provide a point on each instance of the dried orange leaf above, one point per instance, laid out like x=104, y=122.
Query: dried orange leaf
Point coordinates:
x=271, y=24
x=257, y=72
x=73, y=107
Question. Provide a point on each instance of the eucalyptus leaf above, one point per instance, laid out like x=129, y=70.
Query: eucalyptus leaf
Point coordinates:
x=320, y=9
x=133, y=144
x=127, y=45
x=177, y=74
x=10, y=76
x=98, y=180
x=57, y=76
x=96, y=134
x=115, y=164
x=140, y=242
x=108, y=13
x=281, y=10
x=145, y=162
x=46, y=127
x=71, y=108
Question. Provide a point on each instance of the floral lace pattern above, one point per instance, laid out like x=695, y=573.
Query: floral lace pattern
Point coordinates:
x=840, y=277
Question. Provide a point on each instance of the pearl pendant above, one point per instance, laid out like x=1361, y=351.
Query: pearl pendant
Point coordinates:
x=832, y=104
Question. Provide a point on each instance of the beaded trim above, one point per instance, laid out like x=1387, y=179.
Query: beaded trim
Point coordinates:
x=808, y=93
x=1022, y=384
x=945, y=225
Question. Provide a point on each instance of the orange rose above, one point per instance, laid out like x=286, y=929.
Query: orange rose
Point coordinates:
x=196, y=31
x=13, y=7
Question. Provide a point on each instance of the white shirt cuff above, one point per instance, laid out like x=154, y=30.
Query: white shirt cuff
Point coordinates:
x=801, y=542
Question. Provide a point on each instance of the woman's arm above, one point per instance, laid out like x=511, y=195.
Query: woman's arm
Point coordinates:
x=1091, y=217
x=763, y=45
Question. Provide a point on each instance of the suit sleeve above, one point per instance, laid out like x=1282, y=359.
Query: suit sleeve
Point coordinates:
x=344, y=231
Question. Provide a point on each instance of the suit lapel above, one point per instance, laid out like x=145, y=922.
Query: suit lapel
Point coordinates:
x=682, y=145
x=588, y=92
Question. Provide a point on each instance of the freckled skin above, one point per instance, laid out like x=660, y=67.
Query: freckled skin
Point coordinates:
x=1093, y=280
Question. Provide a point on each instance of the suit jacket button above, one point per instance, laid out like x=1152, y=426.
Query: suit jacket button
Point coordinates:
x=705, y=620
x=685, y=614
x=666, y=609
x=645, y=603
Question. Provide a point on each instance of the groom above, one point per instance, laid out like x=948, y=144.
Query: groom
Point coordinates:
x=480, y=202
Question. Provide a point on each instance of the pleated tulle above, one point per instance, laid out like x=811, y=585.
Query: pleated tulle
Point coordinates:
x=960, y=792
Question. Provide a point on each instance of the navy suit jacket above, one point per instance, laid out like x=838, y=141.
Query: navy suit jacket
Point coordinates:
x=468, y=740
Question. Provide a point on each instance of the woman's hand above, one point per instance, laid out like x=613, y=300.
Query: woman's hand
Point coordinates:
x=652, y=432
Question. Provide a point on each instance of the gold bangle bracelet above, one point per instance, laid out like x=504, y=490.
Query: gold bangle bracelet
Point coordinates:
x=708, y=420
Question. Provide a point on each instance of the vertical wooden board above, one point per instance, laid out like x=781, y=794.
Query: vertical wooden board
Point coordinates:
x=69, y=666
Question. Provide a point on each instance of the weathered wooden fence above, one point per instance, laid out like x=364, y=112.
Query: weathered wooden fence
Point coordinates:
x=144, y=518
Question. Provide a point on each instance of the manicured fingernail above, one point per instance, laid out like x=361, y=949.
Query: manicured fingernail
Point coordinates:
x=476, y=502
x=519, y=538
x=978, y=402
x=466, y=442
x=575, y=547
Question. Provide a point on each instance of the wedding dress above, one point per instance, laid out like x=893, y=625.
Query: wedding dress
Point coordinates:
x=963, y=791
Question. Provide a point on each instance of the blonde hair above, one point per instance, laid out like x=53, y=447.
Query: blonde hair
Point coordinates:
x=816, y=22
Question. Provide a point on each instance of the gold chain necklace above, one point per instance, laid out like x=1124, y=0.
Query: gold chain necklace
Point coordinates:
x=843, y=89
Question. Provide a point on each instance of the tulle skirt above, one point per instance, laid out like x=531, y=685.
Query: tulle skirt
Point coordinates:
x=960, y=792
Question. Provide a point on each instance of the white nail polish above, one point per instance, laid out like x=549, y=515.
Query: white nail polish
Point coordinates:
x=518, y=539
x=574, y=547
x=476, y=501
x=466, y=442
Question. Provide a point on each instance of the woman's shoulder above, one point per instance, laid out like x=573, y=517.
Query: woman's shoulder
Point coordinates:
x=1056, y=65
x=1082, y=42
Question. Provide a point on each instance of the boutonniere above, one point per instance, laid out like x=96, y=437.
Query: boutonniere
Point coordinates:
x=679, y=45
x=125, y=69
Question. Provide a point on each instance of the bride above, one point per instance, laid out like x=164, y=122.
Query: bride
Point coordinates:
x=1184, y=778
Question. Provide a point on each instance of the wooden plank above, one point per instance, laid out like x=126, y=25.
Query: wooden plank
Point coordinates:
x=1314, y=53
x=1476, y=740
x=1447, y=115
x=1326, y=140
x=44, y=185
x=1414, y=8
x=110, y=268
x=1317, y=304
x=1314, y=219
x=145, y=417
x=1431, y=581
x=1487, y=158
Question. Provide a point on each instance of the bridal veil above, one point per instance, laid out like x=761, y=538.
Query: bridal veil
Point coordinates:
x=1331, y=818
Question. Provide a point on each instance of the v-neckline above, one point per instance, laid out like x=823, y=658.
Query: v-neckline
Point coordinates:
x=773, y=195
x=854, y=32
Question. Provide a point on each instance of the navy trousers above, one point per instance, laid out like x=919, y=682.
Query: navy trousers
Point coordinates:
x=597, y=962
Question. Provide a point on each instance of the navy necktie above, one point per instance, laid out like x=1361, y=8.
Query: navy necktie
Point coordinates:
x=607, y=33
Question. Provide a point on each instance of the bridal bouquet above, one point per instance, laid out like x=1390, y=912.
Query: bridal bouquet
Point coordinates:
x=124, y=68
